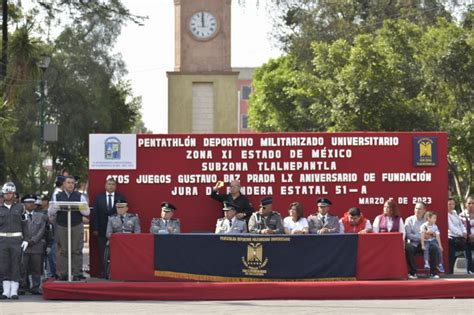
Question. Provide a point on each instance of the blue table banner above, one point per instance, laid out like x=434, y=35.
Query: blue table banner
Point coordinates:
x=250, y=257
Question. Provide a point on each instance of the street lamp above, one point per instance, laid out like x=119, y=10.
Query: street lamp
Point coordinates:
x=43, y=64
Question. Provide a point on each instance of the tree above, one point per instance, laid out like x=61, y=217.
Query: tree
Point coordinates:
x=447, y=58
x=20, y=125
x=86, y=93
x=298, y=23
x=403, y=77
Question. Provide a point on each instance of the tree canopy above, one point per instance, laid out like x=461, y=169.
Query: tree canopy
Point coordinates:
x=414, y=72
x=84, y=90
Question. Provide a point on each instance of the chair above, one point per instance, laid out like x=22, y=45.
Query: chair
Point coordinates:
x=460, y=266
x=107, y=260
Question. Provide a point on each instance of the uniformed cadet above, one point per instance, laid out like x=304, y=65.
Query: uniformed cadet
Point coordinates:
x=166, y=224
x=34, y=230
x=323, y=222
x=122, y=221
x=266, y=221
x=230, y=223
x=11, y=242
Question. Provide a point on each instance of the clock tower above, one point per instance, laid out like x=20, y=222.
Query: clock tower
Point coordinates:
x=202, y=89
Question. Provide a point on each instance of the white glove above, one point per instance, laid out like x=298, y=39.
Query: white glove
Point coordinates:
x=24, y=245
x=48, y=250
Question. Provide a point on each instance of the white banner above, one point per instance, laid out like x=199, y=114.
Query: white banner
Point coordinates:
x=113, y=151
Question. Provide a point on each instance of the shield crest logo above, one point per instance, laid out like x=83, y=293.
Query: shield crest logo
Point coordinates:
x=112, y=148
x=255, y=259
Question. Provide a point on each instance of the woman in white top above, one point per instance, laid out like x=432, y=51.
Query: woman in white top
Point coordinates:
x=295, y=223
x=389, y=220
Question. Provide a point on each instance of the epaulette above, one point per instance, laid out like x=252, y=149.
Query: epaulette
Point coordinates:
x=133, y=215
x=221, y=219
x=274, y=212
x=174, y=219
x=155, y=219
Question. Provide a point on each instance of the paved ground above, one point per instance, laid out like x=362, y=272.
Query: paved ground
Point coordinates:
x=35, y=305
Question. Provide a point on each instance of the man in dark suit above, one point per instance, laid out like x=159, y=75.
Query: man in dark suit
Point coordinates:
x=104, y=206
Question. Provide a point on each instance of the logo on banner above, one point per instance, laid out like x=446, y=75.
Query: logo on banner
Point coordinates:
x=425, y=151
x=112, y=151
x=112, y=148
x=255, y=262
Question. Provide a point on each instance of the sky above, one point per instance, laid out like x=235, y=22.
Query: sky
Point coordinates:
x=148, y=50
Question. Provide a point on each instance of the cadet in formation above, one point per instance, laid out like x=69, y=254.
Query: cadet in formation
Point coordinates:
x=11, y=242
x=265, y=220
x=166, y=224
x=34, y=229
x=230, y=223
x=122, y=221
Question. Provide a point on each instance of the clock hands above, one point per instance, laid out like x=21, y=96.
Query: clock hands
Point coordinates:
x=205, y=28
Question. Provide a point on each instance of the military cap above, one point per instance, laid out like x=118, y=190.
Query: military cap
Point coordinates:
x=29, y=198
x=323, y=202
x=167, y=207
x=230, y=206
x=266, y=201
x=8, y=187
x=121, y=203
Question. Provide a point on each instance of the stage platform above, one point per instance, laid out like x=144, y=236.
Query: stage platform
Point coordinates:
x=206, y=291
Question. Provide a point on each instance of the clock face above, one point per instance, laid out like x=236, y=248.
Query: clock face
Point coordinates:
x=203, y=25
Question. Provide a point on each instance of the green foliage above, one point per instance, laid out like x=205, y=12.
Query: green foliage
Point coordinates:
x=302, y=22
x=402, y=77
x=85, y=93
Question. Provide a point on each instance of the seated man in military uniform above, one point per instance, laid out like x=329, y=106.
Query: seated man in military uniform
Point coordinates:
x=323, y=222
x=265, y=220
x=166, y=224
x=230, y=223
x=122, y=221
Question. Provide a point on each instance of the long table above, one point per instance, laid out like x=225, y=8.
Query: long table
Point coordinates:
x=379, y=257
